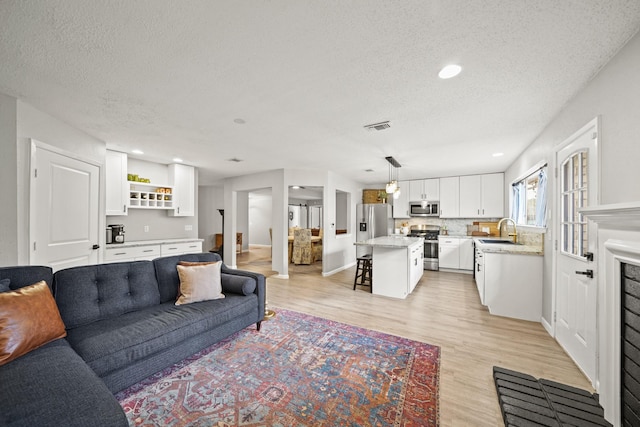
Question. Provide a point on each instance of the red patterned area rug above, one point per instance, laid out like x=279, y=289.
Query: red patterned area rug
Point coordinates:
x=299, y=370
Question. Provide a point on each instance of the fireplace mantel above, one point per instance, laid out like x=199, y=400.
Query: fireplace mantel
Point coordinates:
x=620, y=216
x=618, y=239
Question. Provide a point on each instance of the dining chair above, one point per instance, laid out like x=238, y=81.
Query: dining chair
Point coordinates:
x=302, y=250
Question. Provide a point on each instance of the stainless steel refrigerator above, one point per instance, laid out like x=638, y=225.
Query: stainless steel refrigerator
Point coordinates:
x=372, y=220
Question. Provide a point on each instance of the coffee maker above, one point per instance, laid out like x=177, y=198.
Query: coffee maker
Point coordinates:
x=117, y=233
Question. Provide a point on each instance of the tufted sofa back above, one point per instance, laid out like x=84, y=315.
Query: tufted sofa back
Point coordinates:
x=90, y=293
x=167, y=273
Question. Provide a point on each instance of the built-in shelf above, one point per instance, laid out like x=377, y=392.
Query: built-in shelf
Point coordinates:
x=150, y=196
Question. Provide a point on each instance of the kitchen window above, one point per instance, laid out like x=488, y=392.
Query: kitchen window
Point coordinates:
x=529, y=198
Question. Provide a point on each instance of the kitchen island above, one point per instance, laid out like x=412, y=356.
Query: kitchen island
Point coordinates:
x=397, y=264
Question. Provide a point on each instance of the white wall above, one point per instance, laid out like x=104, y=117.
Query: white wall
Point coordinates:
x=35, y=124
x=614, y=95
x=260, y=219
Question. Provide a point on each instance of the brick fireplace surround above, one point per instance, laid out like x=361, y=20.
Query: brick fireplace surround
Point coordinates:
x=618, y=243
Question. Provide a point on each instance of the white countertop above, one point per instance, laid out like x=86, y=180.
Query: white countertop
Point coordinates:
x=517, y=249
x=150, y=242
x=394, y=241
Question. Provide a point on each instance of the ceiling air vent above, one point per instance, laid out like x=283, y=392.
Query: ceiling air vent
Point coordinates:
x=378, y=126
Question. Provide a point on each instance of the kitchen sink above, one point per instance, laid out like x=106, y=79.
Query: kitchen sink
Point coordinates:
x=497, y=241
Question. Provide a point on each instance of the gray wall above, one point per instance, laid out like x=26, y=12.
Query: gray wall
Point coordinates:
x=9, y=179
x=614, y=95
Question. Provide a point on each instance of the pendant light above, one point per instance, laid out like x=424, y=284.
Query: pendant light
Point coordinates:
x=392, y=186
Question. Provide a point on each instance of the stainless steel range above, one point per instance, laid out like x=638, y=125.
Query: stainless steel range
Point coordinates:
x=430, y=235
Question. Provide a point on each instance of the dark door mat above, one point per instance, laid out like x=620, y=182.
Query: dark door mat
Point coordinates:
x=527, y=402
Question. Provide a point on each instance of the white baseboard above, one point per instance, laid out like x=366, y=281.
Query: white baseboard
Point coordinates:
x=547, y=326
x=337, y=270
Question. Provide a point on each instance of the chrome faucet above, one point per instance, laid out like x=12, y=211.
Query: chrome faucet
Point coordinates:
x=515, y=229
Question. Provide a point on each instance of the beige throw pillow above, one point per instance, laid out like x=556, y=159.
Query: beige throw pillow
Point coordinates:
x=199, y=282
x=29, y=318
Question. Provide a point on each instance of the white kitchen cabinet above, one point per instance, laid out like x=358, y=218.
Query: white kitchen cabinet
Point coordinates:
x=116, y=185
x=466, y=253
x=396, y=270
x=113, y=253
x=493, y=195
x=513, y=285
x=449, y=252
x=183, y=179
x=482, y=196
x=416, y=265
x=401, y=204
x=479, y=274
x=180, y=248
x=424, y=189
x=450, y=197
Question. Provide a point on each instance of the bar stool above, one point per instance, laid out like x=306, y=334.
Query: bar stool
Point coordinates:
x=364, y=271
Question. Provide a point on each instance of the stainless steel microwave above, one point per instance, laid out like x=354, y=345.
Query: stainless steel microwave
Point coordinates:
x=424, y=208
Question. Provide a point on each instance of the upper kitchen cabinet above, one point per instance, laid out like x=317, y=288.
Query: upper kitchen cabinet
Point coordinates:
x=401, y=204
x=482, y=196
x=117, y=187
x=183, y=179
x=450, y=197
x=424, y=189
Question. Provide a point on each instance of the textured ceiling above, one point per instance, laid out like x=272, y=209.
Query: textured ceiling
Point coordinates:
x=172, y=77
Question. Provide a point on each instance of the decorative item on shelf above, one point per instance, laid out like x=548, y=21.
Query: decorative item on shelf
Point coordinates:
x=404, y=228
x=382, y=196
x=133, y=195
x=392, y=186
x=143, y=196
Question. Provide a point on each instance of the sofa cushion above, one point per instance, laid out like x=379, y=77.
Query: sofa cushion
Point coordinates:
x=241, y=285
x=53, y=386
x=117, y=342
x=167, y=273
x=91, y=293
x=199, y=282
x=29, y=318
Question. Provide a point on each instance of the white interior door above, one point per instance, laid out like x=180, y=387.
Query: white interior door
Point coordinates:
x=64, y=210
x=576, y=289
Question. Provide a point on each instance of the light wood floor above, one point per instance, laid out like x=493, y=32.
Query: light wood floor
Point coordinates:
x=443, y=310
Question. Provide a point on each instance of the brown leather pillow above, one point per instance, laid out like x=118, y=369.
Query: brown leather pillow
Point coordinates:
x=29, y=318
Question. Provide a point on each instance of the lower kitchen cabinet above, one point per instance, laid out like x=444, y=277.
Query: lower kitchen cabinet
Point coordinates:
x=512, y=285
x=133, y=253
x=449, y=252
x=455, y=253
x=139, y=251
x=180, y=248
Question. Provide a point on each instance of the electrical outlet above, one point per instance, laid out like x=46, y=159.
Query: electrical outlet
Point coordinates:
x=188, y=227
x=146, y=228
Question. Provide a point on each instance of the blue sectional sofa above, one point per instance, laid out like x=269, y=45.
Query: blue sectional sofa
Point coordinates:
x=122, y=326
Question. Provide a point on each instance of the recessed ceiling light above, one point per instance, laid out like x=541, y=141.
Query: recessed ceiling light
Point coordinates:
x=449, y=71
x=177, y=160
x=368, y=170
x=136, y=151
x=239, y=121
x=235, y=160
x=497, y=154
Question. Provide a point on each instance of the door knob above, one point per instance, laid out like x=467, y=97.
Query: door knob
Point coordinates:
x=95, y=247
x=588, y=273
x=588, y=256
